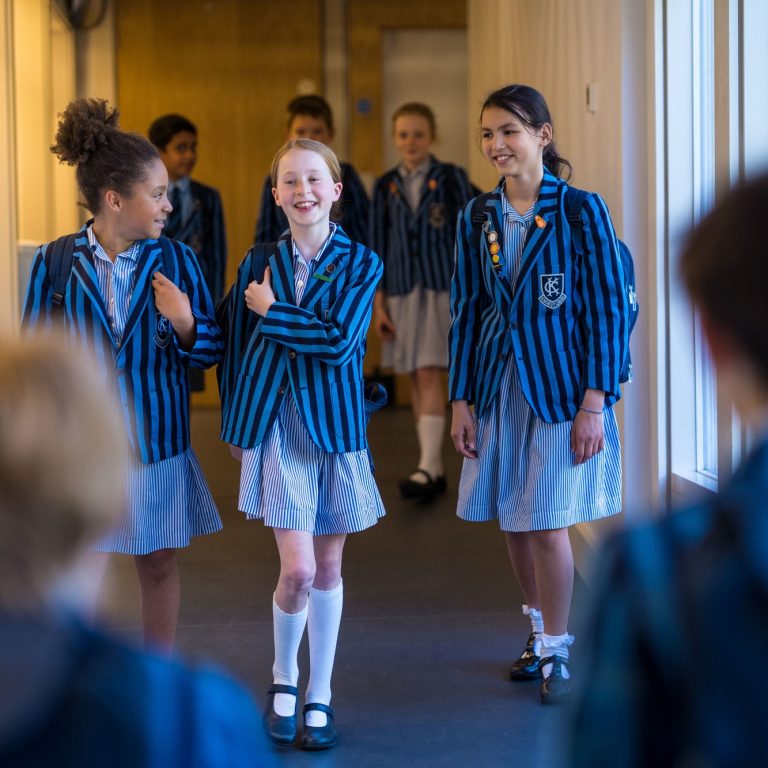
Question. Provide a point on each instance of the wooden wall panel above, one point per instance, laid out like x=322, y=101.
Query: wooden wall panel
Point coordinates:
x=559, y=49
x=366, y=20
x=230, y=66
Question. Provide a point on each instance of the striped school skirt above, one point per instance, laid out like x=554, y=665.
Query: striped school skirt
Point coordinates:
x=169, y=502
x=289, y=482
x=524, y=475
x=422, y=318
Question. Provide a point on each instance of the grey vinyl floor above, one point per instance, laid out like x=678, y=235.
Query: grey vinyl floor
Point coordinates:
x=431, y=621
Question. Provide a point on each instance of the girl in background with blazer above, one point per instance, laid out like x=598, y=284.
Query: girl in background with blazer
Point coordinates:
x=413, y=213
x=537, y=338
x=147, y=319
x=294, y=406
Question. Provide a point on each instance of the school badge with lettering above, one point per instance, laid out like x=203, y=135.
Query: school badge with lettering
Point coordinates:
x=437, y=215
x=163, y=331
x=552, y=290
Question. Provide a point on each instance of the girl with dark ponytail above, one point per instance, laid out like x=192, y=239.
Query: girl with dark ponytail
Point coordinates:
x=140, y=303
x=536, y=344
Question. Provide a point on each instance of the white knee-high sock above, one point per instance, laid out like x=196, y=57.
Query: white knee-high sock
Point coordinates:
x=288, y=629
x=323, y=627
x=430, y=430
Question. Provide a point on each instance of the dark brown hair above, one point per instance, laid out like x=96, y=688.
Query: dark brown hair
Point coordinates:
x=106, y=157
x=529, y=106
x=725, y=270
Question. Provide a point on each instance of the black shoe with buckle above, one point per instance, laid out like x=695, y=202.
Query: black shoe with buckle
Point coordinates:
x=527, y=666
x=555, y=688
x=280, y=728
x=316, y=737
x=426, y=491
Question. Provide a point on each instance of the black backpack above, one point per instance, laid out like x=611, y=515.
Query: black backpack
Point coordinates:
x=574, y=202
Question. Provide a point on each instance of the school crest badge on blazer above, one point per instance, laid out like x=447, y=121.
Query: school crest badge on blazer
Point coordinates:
x=552, y=289
x=437, y=215
x=162, y=331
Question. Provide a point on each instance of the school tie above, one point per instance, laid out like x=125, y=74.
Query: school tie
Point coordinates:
x=173, y=222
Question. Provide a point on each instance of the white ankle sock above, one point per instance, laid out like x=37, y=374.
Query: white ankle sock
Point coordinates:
x=430, y=430
x=537, y=626
x=555, y=645
x=323, y=628
x=288, y=630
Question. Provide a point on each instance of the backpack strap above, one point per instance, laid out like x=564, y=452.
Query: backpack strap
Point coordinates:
x=60, y=267
x=574, y=203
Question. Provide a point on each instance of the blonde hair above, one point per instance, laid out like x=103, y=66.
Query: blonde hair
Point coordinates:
x=328, y=155
x=62, y=464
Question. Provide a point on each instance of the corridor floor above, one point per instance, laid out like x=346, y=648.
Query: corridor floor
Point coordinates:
x=431, y=621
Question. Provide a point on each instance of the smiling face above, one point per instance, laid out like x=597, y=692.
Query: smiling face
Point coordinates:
x=413, y=139
x=305, y=189
x=180, y=154
x=514, y=149
x=143, y=214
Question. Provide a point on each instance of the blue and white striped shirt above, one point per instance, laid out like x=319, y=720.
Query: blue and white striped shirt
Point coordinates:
x=116, y=281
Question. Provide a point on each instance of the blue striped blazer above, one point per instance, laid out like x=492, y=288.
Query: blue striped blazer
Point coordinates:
x=314, y=349
x=351, y=211
x=149, y=367
x=417, y=247
x=565, y=322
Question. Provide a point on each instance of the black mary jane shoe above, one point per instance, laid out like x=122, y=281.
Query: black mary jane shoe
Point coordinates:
x=555, y=688
x=316, y=737
x=426, y=491
x=280, y=728
x=527, y=666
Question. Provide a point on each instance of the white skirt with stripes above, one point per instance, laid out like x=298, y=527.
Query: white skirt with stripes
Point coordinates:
x=169, y=502
x=422, y=318
x=524, y=475
x=289, y=482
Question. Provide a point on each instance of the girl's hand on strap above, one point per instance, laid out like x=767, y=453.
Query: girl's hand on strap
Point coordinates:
x=259, y=297
x=463, y=430
x=173, y=303
x=587, y=432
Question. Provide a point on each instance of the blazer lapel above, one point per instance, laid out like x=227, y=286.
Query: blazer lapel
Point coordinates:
x=538, y=235
x=327, y=268
x=148, y=262
x=492, y=235
x=85, y=273
x=281, y=262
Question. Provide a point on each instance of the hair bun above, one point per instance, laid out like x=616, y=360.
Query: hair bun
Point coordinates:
x=84, y=126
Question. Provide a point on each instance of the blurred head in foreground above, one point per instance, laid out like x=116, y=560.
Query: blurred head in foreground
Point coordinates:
x=62, y=459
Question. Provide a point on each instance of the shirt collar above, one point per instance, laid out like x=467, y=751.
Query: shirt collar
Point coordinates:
x=297, y=252
x=182, y=184
x=131, y=253
x=511, y=213
x=419, y=170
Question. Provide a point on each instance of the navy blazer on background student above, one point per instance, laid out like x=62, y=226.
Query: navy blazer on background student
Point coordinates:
x=152, y=379
x=203, y=231
x=561, y=350
x=315, y=348
x=353, y=210
x=417, y=247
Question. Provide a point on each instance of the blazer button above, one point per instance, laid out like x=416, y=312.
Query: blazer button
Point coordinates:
x=292, y=354
x=281, y=391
